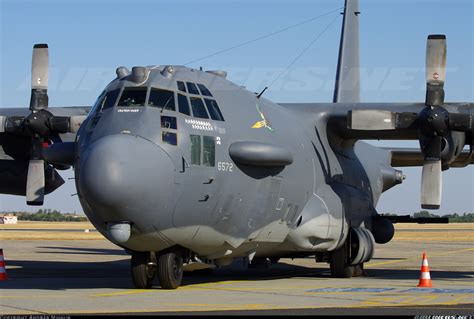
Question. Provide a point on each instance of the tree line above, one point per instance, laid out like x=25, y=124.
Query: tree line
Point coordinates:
x=453, y=218
x=48, y=215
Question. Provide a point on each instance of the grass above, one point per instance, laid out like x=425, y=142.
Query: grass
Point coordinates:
x=458, y=232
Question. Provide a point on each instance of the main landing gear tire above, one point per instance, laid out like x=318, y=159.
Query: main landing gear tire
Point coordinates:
x=339, y=263
x=143, y=270
x=170, y=269
x=358, y=270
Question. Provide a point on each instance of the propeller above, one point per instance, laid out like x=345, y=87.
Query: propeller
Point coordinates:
x=434, y=123
x=40, y=125
x=39, y=101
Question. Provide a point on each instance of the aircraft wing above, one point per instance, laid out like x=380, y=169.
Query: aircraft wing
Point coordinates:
x=408, y=157
x=58, y=111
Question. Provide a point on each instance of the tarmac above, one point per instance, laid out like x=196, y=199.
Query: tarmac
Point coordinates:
x=93, y=277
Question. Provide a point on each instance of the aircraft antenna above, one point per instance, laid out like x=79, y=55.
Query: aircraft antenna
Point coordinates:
x=261, y=93
x=264, y=36
x=315, y=39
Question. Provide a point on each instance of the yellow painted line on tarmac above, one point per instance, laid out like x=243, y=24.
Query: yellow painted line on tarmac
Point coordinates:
x=453, y=252
x=419, y=300
x=412, y=258
x=387, y=262
x=456, y=300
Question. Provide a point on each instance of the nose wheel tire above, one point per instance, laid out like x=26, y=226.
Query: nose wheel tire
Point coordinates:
x=339, y=263
x=143, y=270
x=170, y=269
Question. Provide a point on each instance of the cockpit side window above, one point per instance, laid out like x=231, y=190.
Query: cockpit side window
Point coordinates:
x=183, y=104
x=133, y=96
x=192, y=88
x=214, y=110
x=204, y=90
x=110, y=99
x=98, y=103
x=162, y=98
x=181, y=86
x=198, y=108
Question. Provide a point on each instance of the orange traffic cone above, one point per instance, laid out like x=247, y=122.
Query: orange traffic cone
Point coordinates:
x=3, y=271
x=425, y=278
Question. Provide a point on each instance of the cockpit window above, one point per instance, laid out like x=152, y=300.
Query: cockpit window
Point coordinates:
x=181, y=86
x=162, y=98
x=214, y=110
x=183, y=104
x=198, y=108
x=98, y=103
x=192, y=88
x=110, y=99
x=204, y=90
x=133, y=96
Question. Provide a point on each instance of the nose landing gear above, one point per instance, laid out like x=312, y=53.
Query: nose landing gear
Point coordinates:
x=168, y=265
x=170, y=269
x=143, y=269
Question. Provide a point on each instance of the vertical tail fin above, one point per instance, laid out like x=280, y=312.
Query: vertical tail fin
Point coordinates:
x=347, y=87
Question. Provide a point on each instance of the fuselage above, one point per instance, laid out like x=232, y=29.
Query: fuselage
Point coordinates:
x=154, y=154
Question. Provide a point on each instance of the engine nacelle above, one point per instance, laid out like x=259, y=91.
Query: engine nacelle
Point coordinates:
x=362, y=245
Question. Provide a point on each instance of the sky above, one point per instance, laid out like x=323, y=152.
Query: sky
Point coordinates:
x=88, y=40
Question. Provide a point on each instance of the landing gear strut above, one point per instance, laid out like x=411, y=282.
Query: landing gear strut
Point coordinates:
x=143, y=269
x=170, y=269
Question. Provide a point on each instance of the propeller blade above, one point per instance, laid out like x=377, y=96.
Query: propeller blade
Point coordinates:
x=3, y=121
x=431, y=185
x=35, y=183
x=39, y=77
x=435, y=69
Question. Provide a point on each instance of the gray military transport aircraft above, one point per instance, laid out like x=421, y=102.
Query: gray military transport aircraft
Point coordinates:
x=186, y=170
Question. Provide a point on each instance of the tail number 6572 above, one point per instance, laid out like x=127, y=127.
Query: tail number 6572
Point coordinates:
x=225, y=167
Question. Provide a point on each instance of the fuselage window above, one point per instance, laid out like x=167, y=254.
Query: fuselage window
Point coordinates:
x=163, y=99
x=192, y=88
x=169, y=122
x=110, y=99
x=183, y=104
x=198, y=108
x=195, y=149
x=169, y=138
x=214, y=110
x=209, y=151
x=204, y=90
x=133, y=96
x=181, y=86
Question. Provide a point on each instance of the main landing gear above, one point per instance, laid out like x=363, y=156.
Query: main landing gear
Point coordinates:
x=348, y=260
x=168, y=265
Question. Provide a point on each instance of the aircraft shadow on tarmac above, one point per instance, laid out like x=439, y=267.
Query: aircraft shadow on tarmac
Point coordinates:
x=61, y=275
x=83, y=251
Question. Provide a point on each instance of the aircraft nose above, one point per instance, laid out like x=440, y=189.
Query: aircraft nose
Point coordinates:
x=126, y=178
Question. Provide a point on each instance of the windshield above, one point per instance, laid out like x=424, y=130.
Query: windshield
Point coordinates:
x=133, y=96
